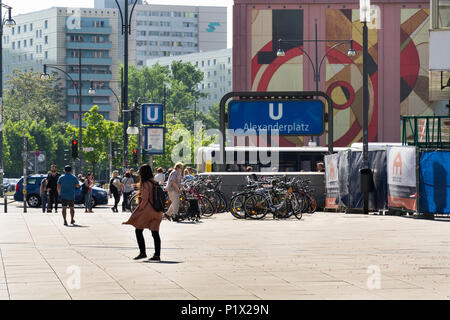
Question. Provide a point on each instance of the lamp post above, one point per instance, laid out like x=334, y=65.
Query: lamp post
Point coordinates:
x=365, y=172
x=316, y=66
x=126, y=30
x=9, y=22
x=78, y=85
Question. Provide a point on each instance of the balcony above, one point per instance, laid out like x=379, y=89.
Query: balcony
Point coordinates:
x=84, y=92
x=88, y=45
x=93, y=61
x=92, y=30
x=86, y=107
x=91, y=76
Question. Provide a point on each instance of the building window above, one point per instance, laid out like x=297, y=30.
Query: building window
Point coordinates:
x=24, y=43
x=45, y=24
x=229, y=60
x=203, y=63
x=18, y=44
x=31, y=27
x=40, y=48
x=13, y=45
x=12, y=30
x=209, y=63
x=46, y=54
x=40, y=33
x=25, y=28
x=37, y=33
x=46, y=39
x=31, y=42
x=215, y=61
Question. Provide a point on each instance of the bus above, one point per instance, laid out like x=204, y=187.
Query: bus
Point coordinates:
x=262, y=159
x=289, y=159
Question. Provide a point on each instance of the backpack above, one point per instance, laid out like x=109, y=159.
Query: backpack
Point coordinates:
x=159, y=197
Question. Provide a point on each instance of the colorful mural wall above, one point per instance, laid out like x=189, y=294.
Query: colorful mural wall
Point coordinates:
x=414, y=80
x=344, y=77
x=343, y=74
x=272, y=73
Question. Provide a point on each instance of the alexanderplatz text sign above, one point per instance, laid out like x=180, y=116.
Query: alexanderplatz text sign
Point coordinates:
x=297, y=117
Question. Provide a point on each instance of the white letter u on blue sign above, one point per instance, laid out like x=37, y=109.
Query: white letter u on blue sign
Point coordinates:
x=153, y=117
x=280, y=111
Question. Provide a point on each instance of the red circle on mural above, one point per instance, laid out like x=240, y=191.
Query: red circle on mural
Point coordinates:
x=348, y=92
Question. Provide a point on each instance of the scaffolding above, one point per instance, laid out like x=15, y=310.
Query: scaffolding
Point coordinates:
x=428, y=132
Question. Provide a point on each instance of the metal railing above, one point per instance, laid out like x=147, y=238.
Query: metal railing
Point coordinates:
x=426, y=131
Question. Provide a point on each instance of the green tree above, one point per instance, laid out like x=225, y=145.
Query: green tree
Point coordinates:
x=28, y=97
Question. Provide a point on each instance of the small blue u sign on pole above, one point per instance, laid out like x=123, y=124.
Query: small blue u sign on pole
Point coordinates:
x=152, y=113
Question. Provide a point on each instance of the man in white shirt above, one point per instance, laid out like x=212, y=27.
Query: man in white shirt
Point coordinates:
x=159, y=177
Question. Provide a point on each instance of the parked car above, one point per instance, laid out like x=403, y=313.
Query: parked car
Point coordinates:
x=9, y=184
x=99, y=195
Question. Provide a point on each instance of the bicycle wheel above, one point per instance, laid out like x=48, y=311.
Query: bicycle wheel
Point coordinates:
x=223, y=207
x=237, y=205
x=256, y=206
x=133, y=203
x=312, y=204
x=283, y=205
x=183, y=208
x=214, y=198
x=206, y=207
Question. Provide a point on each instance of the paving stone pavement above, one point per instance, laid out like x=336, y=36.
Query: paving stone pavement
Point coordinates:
x=322, y=256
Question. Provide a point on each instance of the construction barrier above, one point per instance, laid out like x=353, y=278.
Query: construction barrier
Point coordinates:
x=434, y=182
x=332, y=181
x=401, y=174
x=348, y=193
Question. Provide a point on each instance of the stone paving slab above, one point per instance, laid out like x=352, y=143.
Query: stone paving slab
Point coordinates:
x=322, y=256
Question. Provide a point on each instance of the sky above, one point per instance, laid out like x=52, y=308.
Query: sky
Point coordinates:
x=25, y=6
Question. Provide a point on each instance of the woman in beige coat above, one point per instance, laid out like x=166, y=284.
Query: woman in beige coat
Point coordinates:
x=144, y=216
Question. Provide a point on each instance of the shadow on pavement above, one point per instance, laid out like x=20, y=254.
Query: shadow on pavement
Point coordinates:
x=78, y=226
x=162, y=261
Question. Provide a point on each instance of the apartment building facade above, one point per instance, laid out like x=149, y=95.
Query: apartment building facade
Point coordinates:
x=57, y=36
x=170, y=30
x=217, y=69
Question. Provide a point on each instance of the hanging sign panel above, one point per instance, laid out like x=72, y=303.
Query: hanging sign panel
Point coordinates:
x=154, y=142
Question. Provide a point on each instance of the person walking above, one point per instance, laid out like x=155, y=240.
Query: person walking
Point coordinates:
x=66, y=186
x=160, y=177
x=44, y=193
x=173, y=188
x=128, y=188
x=187, y=175
x=145, y=216
x=88, y=184
x=52, y=188
x=114, y=188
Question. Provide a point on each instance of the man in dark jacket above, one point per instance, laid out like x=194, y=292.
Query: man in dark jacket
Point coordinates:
x=52, y=187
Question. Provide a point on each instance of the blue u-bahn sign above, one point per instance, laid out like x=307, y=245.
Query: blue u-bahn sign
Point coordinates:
x=300, y=117
x=152, y=113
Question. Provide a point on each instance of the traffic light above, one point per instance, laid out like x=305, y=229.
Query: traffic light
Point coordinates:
x=114, y=150
x=135, y=156
x=74, y=149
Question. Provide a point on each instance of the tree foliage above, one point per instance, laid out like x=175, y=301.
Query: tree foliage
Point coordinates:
x=28, y=97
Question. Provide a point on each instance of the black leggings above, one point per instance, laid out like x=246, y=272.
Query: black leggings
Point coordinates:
x=141, y=241
x=116, y=199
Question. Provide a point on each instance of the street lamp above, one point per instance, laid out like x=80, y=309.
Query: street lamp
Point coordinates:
x=316, y=66
x=46, y=76
x=365, y=172
x=9, y=22
x=126, y=30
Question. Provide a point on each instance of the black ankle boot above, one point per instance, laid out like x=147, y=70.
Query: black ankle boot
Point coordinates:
x=141, y=255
